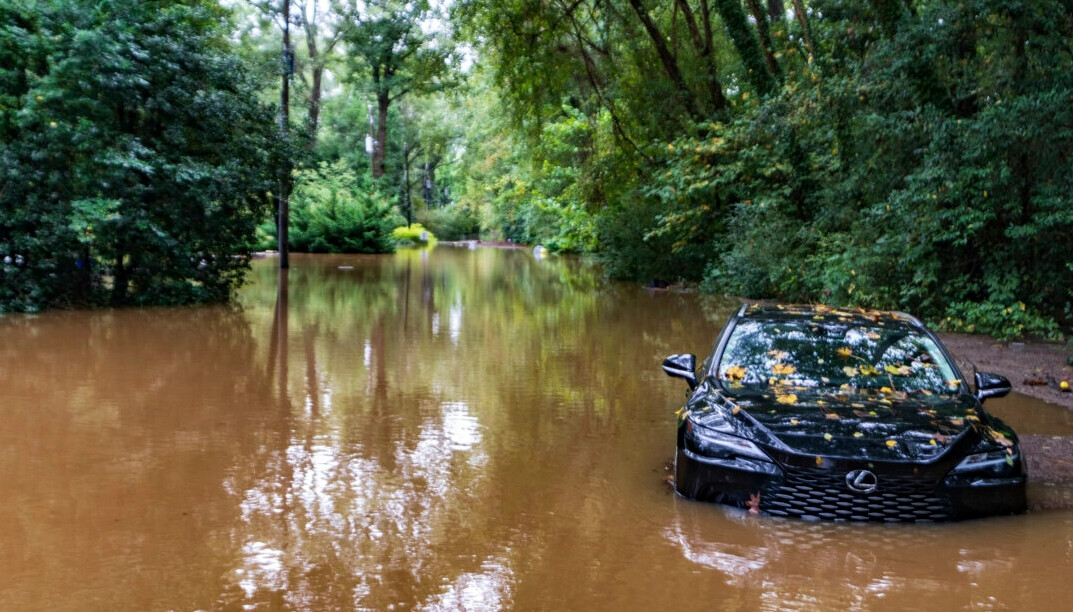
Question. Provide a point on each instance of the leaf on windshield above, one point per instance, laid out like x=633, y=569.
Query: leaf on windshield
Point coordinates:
x=867, y=370
x=845, y=352
x=850, y=371
x=886, y=390
x=898, y=370
x=734, y=373
x=892, y=443
x=778, y=355
x=827, y=437
x=858, y=434
x=789, y=398
x=832, y=416
x=783, y=369
x=873, y=336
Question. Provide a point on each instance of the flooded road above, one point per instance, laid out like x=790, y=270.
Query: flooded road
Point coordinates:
x=445, y=430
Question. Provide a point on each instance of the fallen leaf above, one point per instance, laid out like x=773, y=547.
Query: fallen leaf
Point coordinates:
x=789, y=398
x=833, y=416
x=828, y=437
x=783, y=369
x=734, y=373
x=891, y=443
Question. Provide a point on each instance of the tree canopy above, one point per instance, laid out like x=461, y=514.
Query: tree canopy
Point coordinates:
x=909, y=154
x=135, y=158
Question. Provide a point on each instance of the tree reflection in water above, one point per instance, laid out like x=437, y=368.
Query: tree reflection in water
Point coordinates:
x=384, y=456
x=470, y=430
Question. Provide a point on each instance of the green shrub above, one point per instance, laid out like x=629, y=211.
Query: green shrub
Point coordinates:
x=333, y=211
x=413, y=234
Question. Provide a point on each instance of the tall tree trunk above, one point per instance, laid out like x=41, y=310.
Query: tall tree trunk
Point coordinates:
x=748, y=48
x=776, y=10
x=317, y=66
x=765, y=36
x=703, y=46
x=120, y=280
x=284, y=211
x=806, y=31
x=670, y=66
x=383, y=102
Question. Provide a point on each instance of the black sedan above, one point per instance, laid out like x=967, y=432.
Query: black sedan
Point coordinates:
x=857, y=415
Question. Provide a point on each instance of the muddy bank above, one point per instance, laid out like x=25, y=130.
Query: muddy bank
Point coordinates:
x=1026, y=364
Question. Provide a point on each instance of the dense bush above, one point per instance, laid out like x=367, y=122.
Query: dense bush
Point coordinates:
x=134, y=157
x=332, y=211
x=414, y=234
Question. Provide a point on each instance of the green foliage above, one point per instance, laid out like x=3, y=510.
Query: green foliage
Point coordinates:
x=135, y=157
x=413, y=234
x=332, y=211
x=454, y=222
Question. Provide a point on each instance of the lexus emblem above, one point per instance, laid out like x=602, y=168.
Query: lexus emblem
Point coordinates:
x=861, y=481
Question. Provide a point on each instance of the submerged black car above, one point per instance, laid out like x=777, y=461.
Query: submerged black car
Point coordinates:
x=857, y=415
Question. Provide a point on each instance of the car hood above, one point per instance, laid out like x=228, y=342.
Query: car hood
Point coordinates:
x=870, y=425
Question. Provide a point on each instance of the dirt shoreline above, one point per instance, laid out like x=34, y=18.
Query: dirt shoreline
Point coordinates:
x=1026, y=364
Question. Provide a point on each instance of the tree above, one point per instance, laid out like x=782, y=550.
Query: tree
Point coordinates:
x=389, y=46
x=136, y=158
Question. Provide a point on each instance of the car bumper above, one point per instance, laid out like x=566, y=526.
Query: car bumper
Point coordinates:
x=821, y=493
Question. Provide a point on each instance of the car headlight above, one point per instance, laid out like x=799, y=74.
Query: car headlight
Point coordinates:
x=997, y=462
x=720, y=445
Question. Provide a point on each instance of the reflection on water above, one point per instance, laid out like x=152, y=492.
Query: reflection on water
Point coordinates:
x=448, y=430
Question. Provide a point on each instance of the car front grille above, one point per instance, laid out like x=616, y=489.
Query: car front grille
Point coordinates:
x=814, y=493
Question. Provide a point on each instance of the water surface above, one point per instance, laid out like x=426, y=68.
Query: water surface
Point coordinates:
x=447, y=430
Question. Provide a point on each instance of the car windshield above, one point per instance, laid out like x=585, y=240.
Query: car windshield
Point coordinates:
x=803, y=353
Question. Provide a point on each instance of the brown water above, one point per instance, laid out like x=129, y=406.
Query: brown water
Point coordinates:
x=454, y=430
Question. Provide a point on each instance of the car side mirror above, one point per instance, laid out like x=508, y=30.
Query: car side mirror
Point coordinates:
x=682, y=366
x=991, y=385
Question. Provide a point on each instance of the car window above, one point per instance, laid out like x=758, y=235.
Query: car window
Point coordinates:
x=807, y=353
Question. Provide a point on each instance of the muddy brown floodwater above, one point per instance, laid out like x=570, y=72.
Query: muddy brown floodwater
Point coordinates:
x=448, y=430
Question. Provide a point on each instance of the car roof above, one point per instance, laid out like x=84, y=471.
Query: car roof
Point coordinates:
x=863, y=317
